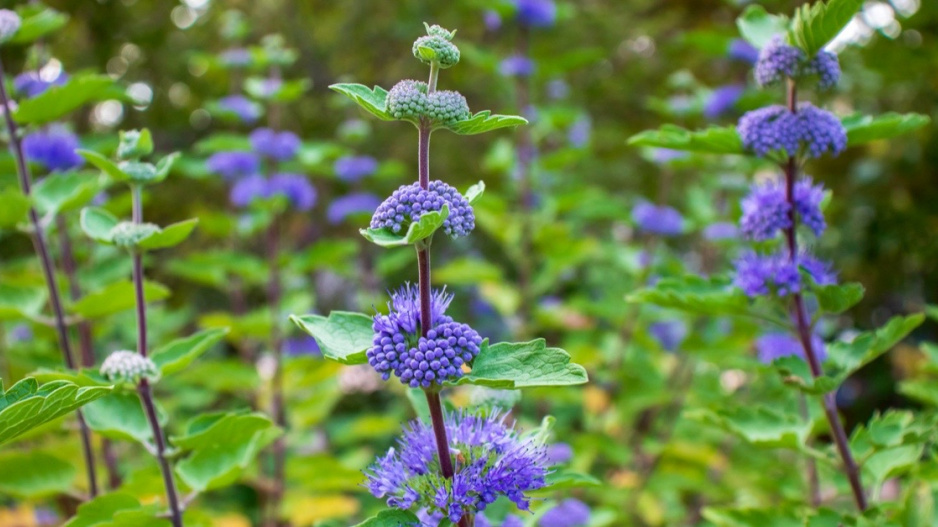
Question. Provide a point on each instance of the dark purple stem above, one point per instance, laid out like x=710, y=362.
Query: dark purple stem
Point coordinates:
x=851, y=469
x=42, y=249
x=143, y=388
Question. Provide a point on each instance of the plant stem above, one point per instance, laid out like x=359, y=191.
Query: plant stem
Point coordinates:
x=143, y=388
x=278, y=449
x=814, y=487
x=42, y=250
x=851, y=469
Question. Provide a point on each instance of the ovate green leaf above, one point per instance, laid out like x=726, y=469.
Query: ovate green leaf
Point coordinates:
x=179, y=354
x=523, y=365
x=342, y=337
x=374, y=101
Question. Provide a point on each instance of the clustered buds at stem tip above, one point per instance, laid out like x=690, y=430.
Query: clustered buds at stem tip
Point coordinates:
x=409, y=202
x=129, y=366
x=778, y=61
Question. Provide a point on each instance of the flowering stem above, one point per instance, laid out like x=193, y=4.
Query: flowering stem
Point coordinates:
x=42, y=249
x=851, y=469
x=143, y=388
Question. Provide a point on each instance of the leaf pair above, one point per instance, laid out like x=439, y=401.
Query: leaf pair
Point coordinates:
x=102, y=226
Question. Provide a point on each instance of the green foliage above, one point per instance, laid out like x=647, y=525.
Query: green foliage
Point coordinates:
x=117, y=509
x=15, y=209
x=21, y=301
x=813, y=26
x=835, y=299
x=26, y=405
x=484, y=121
x=135, y=144
x=37, y=22
x=121, y=416
x=342, y=337
x=116, y=297
x=417, y=231
x=100, y=225
x=132, y=172
x=34, y=474
x=523, y=365
x=863, y=129
x=220, y=446
x=758, y=26
x=374, y=101
x=179, y=354
x=713, y=140
x=763, y=427
x=63, y=192
x=59, y=101
x=391, y=518
x=712, y=297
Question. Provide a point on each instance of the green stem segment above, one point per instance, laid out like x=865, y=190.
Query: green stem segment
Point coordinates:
x=851, y=469
x=143, y=388
x=42, y=250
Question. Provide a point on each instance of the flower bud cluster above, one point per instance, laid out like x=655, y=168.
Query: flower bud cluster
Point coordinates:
x=129, y=366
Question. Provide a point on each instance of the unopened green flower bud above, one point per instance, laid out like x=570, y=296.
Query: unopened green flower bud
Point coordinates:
x=128, y=234
x=9, y=24
x=135, y=144
x=408, y=100
x=436, y=47
x=129, y=366
x=447, y=107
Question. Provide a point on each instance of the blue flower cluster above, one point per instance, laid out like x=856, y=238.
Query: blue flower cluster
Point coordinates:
x=279, y=146
x=516, y=66
x=536, y=13
x=351, y=204
x=294, y=187
x=53, y=148
x=778, y=274
x=775, y=345
x=242, y=108
x=778, y=61
x=766, y=210
x=31, y=83
x=568, y=513
x=399, y=347
x=491, y=459
x=722, y=100
x=353, y=168
x=776, y=129
x=658, y=219
x=409, y=202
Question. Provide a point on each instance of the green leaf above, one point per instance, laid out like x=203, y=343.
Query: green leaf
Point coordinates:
x=65, y=191
x=97, y=223
x=21, y=301
x=135, y=144
x=763, y=427
x=484, y=121
x=118, y=509
x=39, y=24
x=15, y=208
x=923, y=391
x=222, y=446
x=747, y=517
x=475, y=192
x=813, y=26
x=57, y=101
x=34, y=474
x=422, y=229
x=26, y=405
x=343, y=337
x=374, y=101
x=568, y=479
x=179, y=354
x=120, y=416
x=892, y=462
x=116, y=297
x=835, y=299
x=169, y=236
x=714, y=140
x=758, y=27
x=104, y=164
x=867, y=346
x=863, y=129
x=714, y=296
x=523, y=365
x=391, y=518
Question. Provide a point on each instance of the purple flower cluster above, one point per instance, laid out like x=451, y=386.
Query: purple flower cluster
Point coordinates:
x=765, y=211
x=763, y=274
x=492, y=459
x=399, y=348
x=279, y=146
x=658, y=219
x=722, y=100
x=742, y=50
x=239, y=106
x=775, y=128
x=32, y=84
x=516, y=66
x=808, y=198
x=233, y=165
x=568, y=513
x=773, y=346
x=294, y=187
x=409, y=202
x=669, y=333
x=721, y=230
x=353, y=168
x=536, y=13
x=350, y=204
x=54, y=149
x=778, y=61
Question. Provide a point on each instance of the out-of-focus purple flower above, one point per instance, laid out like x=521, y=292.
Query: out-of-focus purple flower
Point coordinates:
x=579, y=133
x=827, y=68
x=232, y=165
x=99, y=199
x=54, y=149
x=32, y=84
x=559, y=453
x=516, y=66
x=722, y=230
x=558, y=89
x=758, y=274
x=21, y=333
x=808, y=198
x=356, y=203
x=722, y=100
x=296, y=188
x=353, y=168
x=241, y=107
x=248, y=189
x=821, y=272
x=492, y=20
x=776, y=345
x=280, y=146
x=46, y=517
x=658, y=219
x=297, y=347
x=536, y=13
x=269, y=87
x=742, y=50
x=665, y=155
x=669, y=333
x=568, y=513
x=765, y=211
x=237, y=57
